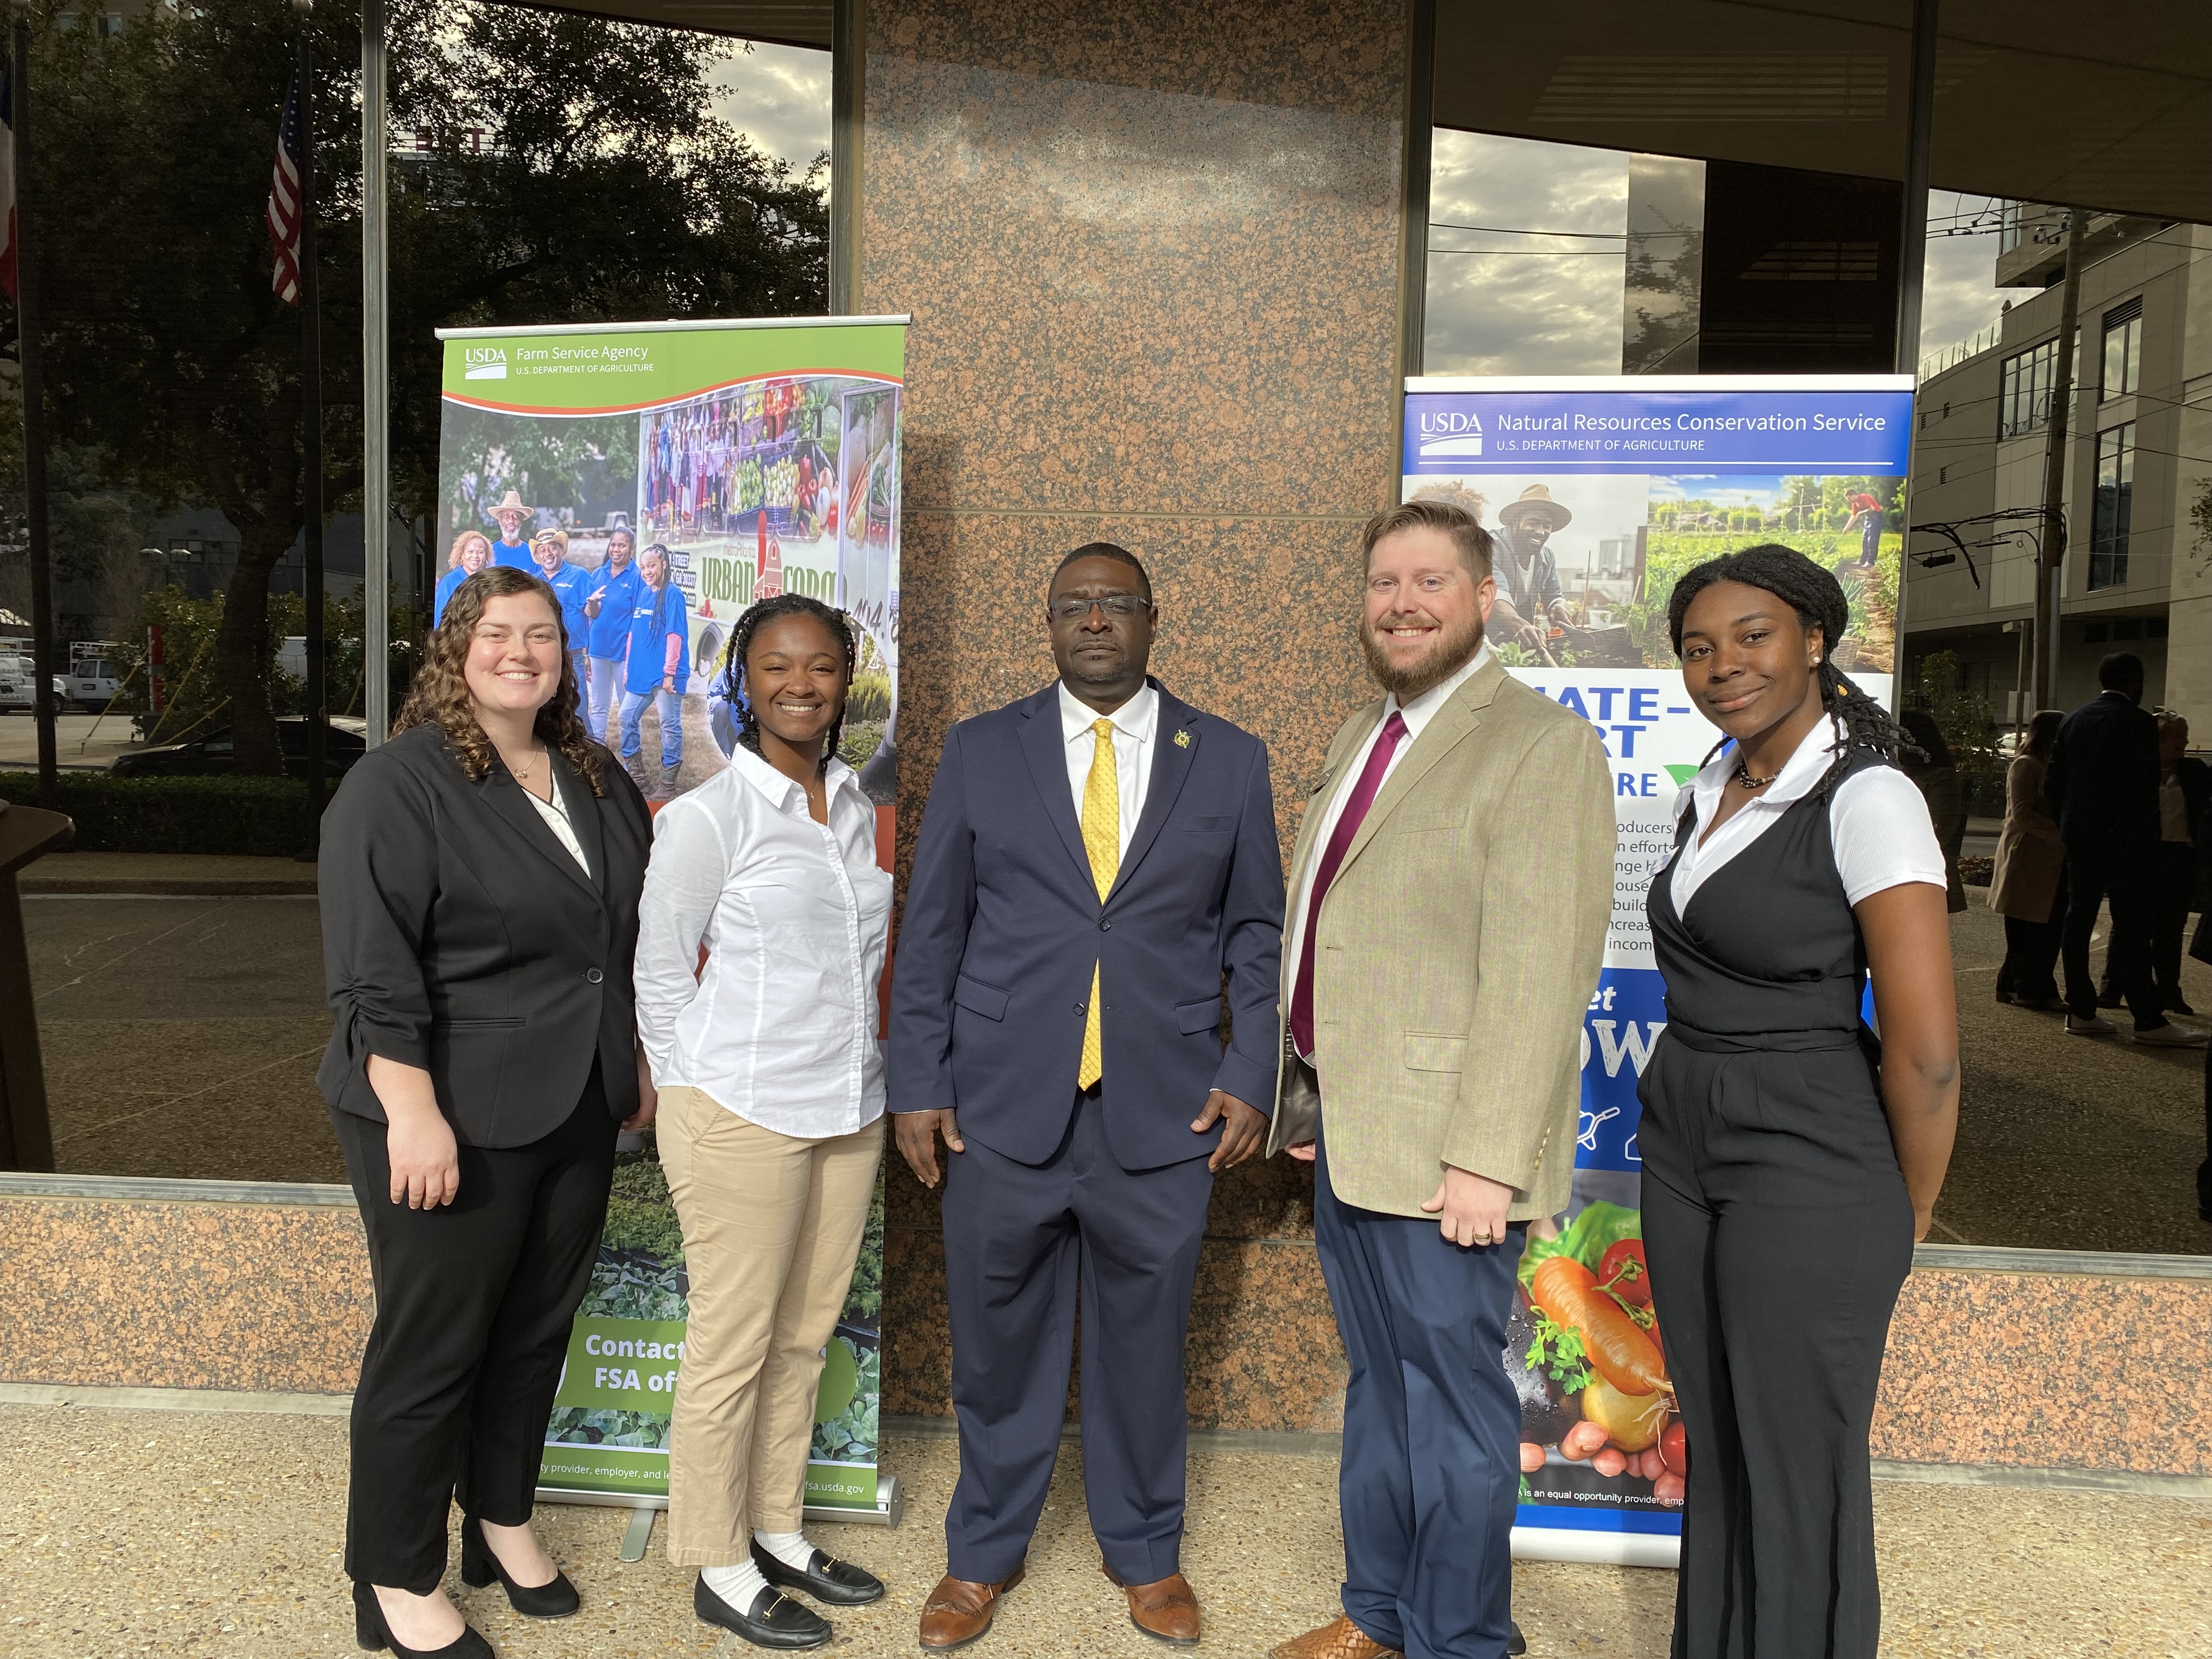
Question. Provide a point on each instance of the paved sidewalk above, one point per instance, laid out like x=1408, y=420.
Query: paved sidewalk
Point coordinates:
x=131, y=1532
x=166, y=874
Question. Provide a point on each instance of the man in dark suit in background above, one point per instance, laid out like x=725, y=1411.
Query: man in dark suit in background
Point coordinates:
x=1095, y=861
x=2103, y=789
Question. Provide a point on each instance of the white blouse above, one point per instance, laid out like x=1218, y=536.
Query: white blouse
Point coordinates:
x=780, y=1026
x=556, y=814
x=1877, y=820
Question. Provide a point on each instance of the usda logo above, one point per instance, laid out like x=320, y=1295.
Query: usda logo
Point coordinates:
x=484, y=362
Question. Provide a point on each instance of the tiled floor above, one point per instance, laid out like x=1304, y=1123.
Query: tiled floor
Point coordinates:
x=128, y=1532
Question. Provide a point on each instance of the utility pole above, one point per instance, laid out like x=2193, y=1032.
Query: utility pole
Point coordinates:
x=1919, y=137
x=311, y=436
x=2051, y=562
x=375, y=386
x=28, y=359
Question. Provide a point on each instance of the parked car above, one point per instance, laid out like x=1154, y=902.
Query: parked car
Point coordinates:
x=92, y=682
x=18, y=687
x=209, y=753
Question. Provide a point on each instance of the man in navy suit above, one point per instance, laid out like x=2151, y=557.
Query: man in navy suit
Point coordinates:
x=1095, y=862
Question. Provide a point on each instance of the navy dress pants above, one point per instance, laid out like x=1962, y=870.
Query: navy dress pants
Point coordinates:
x=1024, y=1245
x=1431, y=1470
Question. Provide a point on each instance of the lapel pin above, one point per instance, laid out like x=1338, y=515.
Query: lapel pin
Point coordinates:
x=1182, y=739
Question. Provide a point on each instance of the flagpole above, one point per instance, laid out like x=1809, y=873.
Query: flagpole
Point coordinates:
x=311, y=422
x=375, y=386
x=28, y=357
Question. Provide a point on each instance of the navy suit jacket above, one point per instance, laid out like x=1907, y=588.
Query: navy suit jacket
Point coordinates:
x=2102, y=785
x=1003, y=925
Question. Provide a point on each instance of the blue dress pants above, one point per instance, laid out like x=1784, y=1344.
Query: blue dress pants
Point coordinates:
x=1431, y=1470
x=1024, y=1245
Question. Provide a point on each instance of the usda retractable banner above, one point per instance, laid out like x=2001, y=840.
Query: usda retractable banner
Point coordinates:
x=1600, y=492
x=692, y=468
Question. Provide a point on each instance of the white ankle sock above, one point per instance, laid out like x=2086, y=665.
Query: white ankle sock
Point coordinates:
x=789, y=1547
x=739, y=1586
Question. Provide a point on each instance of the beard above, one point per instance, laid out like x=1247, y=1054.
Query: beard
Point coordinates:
x=1450, y=650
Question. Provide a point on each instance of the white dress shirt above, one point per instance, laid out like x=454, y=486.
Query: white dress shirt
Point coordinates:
x=556, y=814
x=780, y=1026
x=1136, y=728
x=1877, y=820
x=1416, y=715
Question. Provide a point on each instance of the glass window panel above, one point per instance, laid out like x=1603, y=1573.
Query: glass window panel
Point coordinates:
x=2110, y=513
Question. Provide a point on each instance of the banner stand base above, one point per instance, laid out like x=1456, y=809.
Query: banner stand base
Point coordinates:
x=890, y=1506
x=638, y=1534
x=890, y=1509
x=1601, y=1548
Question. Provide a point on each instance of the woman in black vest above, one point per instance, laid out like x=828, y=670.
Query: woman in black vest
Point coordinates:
x=1790, y=1160
x=480, y=878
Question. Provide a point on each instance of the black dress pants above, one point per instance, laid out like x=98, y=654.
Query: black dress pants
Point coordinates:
x=2173, y=884
x=2121, y=874
x=474, y=1301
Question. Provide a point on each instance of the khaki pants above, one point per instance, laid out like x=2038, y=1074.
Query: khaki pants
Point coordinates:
x=772, y=1227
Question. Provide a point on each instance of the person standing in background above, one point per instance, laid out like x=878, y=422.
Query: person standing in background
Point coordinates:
x=480, y=876
x=1452, y=886
x=2185, y=790
x=607, y=610
x=2103, y=789
x=656, y=668
x=471, y=553
x=1867, y=514
x=1096, y=862
x=571, y=584
x=511, y=550
x=771, y=1085
x=2028, y=887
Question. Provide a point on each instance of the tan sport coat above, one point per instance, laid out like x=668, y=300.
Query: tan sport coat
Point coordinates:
x=1459, y=946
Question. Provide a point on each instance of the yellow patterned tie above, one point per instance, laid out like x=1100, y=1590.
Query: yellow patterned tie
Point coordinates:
x=1101, y=840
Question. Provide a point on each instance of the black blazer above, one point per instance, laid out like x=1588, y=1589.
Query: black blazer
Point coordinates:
x=2102, y=786
x=459, y=936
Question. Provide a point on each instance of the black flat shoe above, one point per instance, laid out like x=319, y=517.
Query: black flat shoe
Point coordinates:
x=370, y=1630
x=1519, y=1643
x=479, y=1566
x=774, y=1621
x=826, y=1578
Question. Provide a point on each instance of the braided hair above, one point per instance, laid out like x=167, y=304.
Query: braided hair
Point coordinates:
x=731, y=681
x=1818, y=598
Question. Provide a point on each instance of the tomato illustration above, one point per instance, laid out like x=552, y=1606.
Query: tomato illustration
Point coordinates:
x=1621, y=1270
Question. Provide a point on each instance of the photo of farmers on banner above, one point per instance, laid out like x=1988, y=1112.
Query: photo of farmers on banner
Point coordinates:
x=1599, y=492
x=663, y=476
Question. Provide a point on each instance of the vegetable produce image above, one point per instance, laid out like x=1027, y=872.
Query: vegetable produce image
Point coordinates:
x=1622, y=1354
x=1631, y=1421
x=1621, y=1270
x=1546, y=1410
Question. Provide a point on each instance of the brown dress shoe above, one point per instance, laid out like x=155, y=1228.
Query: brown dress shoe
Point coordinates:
x=1165, y=1609
x=958, y=1610
x=1340, y=1639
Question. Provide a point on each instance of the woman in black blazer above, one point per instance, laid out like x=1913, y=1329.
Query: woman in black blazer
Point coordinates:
x=480, y=878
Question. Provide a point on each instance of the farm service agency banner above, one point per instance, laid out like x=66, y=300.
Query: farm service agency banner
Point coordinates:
x=1601, y=491
x=757, y=458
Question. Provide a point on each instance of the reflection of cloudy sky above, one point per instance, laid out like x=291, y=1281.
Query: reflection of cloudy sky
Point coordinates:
x=1552, y=305
x=1526, y=304
x=779, y=96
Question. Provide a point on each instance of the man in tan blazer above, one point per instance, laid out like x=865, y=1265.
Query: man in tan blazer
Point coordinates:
x=1451, y=889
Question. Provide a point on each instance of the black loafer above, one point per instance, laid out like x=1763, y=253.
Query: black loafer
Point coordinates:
x=774, y=1621
x=1519, y=1643
x=840, y=1583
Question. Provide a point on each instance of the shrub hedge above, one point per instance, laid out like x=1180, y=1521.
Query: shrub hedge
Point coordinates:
x=264, y=816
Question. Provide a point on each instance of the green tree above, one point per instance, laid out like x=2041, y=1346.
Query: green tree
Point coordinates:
x=575, y=171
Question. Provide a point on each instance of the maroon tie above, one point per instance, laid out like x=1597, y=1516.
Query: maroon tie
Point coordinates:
x=1347, y=826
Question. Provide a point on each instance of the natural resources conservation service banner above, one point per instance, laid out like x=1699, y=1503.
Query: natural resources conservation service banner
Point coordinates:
x=758, y=458
x=1600, y=492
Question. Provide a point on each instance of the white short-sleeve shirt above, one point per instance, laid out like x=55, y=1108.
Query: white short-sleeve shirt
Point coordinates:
x=1877, y=820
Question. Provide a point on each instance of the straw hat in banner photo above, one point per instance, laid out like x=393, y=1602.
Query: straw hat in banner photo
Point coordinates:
x=1536, y=501
x=512, y=502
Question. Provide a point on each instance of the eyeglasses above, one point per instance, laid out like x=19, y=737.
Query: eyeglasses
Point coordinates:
x=1118, y=606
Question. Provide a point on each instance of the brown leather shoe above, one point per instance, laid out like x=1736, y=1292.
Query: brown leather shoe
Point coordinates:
x=959, y=1610
x=1340, y=1639
x=1165, y=1609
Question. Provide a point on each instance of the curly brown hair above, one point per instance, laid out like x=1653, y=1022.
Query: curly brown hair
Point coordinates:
x=440, y=695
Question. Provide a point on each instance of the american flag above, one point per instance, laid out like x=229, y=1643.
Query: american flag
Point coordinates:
x=283, y=213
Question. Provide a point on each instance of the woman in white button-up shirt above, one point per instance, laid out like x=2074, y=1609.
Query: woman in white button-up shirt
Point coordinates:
x=771, y=1085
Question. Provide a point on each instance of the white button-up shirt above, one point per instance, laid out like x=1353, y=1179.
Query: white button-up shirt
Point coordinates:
x=1416, y=714
x=1136, y=729
x=795, y=916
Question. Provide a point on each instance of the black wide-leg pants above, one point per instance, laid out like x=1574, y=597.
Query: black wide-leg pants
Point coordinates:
x=1778, y=1232
x=474, y=1301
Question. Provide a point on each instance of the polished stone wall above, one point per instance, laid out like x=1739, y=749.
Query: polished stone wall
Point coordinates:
x=1152, y=254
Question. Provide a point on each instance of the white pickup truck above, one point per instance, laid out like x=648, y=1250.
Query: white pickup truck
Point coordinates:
x=18, y=687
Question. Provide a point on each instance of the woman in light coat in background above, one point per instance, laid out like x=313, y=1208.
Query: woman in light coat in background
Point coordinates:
x=2028, y=887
